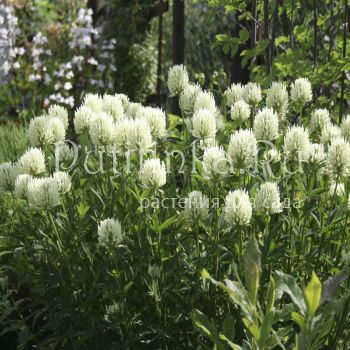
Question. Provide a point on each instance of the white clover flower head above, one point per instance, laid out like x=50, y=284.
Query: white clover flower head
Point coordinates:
x=315, y=154
x=345, y=127
x=242, y=149
x=40, y=132
x=122, y=131
x=58, y=130
x=153, y=173
x=56, y=111
x=110, y=233
x=8, y=175
x=134, y=110
x=277, y=98
x=43, y=193
x=267, y=199
x=204, y=124
x=102, y=129
x=272, y=156
x=214, y=164
x=59, y=112
x=338, y=158
x=93, y=101
x=32, y=162
x=252, y=94
x=266, y=125
x=233, y=94
x=319, y=120
x=240, y=111
x=205, y=100
x=296, y=143
x=337, y=189
x=329, y=133
x=196, y=207
x=177, y=79
x=301, y=92
x=113, y=106
x=238, y=208
x=21, y=186
x=155, y=117
x=140, y=137
x=188, y=97
x=63, y=180
x=82, y=119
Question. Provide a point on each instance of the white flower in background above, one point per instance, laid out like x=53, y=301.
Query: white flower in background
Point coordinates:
x=196, y=207
x=155, y=117
x=32, y=162
x=110, y=233
x=21, y=186
x=94, y=102
x=240, y=111
x=43, y=193
x=238, y=209
x=329, y=133
x=122, y=131
x=233, y=94
x=113, y=106
x=277, y=98
x=319, y=120
x=63, y=180
x=102, y=129
x=242, y=149
x=59, y=112
x=296, y=143
x=177, y=79
x=301, y=92
x=315, y=154
x=214, y=163
x=252, y=94
x=266, y=125
x=153, y=173
x=205, y=100
x=8, y=175
x=67, y=86
x=188, y=97
x=267, y=199
x=40, y=132
x=272, y=156
x=337, y=189
x=204, y=124
x=134, y=110
x=83, y=117
x=338, y=158
x=345, y=127
x=140, y=137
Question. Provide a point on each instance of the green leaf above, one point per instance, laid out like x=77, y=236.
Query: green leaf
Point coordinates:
x=299, y=320
x=252, y=268
x=312, y=294
x=287, y=284
x=205, y=326
x=252, y=328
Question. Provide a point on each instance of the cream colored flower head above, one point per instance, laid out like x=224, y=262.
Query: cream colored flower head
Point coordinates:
x=113, y=106
x=155, y=117
x=238, y=208
x=43, y=193
x=204, y=124
x=267, y=199
x=140, y=137
x=234, y=94
x=240, y=111
x=205, y=100
x=215, y=164
x=63, y=180
x=252, y=94
x=177, y=79
x=277, y=98
x=8, y=175
x=110, y=233
x=301, y=92
x=153, y=173
x=196, y=207
x=102, y=130
x=296, y=143
x=32, y=162
x=21, y=186
x=56, y=111
x=188, y=98
x=319, y=120
x=266, y=125
x=242, y=149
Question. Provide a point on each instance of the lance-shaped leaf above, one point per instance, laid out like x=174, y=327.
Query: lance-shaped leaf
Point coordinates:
x=331, y=285
x=252, y=268
x=312, y=294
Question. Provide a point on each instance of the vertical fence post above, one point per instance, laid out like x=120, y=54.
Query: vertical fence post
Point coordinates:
x=178, y=31
x=160, y=39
